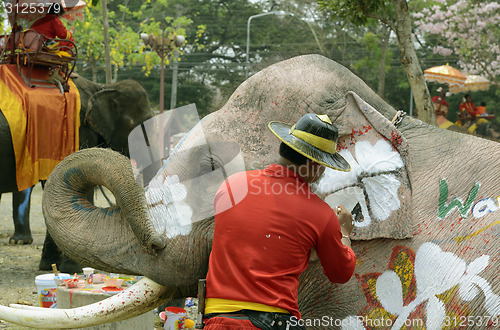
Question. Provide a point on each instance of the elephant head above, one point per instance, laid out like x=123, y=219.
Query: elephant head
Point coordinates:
x=420, y=253
x=110, y=112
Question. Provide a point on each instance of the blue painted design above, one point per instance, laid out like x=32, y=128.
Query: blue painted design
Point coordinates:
x=79, y=201
x=110, y=210
x=69, y=174
x=79, y=204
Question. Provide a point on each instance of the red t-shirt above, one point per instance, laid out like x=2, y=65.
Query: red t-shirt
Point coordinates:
x=262, y=244
x=52, y=27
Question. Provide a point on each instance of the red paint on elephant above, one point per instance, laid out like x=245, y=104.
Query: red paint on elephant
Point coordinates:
x=396, y=140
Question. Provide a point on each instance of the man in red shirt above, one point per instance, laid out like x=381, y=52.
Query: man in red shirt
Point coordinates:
x=467, y=111
x=51, y=26
x=267, y=224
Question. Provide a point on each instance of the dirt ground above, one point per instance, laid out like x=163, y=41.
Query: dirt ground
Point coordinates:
x=19, y=263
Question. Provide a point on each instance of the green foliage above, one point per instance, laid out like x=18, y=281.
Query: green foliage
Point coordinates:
x=125, y=24
x=89, y=38
x=355, y=11
x=3, y=27
x=369, y=64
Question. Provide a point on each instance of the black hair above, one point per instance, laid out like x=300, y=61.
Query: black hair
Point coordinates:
x=483, y=104
x=292, y=155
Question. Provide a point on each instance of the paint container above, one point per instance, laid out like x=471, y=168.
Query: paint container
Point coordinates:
x=47, y=290
x=88, y=272
x=175, y=318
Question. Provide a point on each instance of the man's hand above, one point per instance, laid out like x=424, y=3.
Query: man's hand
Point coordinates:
x=345, y=220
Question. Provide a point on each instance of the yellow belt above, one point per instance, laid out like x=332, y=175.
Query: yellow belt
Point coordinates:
x=217, y=305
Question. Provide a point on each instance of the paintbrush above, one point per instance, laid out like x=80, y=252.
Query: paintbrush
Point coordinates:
x=54, y=269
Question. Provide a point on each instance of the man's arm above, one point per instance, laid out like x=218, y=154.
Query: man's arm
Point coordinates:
x=334, y=249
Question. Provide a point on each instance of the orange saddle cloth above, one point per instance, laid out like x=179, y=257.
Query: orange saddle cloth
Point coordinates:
x=43, y=124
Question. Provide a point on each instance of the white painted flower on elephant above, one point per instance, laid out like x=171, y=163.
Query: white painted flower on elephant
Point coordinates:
x=436, y=272
x=371, y=182
x=169, y=213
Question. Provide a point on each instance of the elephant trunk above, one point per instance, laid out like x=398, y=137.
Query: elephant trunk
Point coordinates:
x=81, y=229
x=136, y=300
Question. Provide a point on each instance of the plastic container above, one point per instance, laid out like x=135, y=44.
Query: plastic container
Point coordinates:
x=99, y=278
x=59, y=279
x=47, y=290
x=175, y=318
x=88, y=272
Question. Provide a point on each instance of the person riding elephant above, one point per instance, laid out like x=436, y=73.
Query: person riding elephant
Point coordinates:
x=424, y=236
x=108, y=113
x=51, y=27
x=441, y=107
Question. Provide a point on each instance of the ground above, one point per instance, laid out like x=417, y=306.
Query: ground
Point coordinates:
x=19, y=263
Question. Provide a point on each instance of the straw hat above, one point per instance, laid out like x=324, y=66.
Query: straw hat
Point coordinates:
x=315, y=137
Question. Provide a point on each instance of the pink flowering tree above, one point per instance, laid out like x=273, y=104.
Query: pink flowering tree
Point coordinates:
x=468, y=29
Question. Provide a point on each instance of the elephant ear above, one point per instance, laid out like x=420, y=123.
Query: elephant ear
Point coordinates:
x=377, y=190
x=102, y=113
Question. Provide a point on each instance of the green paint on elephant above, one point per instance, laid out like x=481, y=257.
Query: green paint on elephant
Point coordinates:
x=464, y=209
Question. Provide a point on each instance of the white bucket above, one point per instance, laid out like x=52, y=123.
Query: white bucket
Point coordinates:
x=175, y=318
x=47, y=290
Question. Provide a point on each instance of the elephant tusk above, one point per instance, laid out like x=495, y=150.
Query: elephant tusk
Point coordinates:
x=19, y=306
x=136, y=300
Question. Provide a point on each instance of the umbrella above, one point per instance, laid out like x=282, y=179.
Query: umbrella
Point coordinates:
x=31, y=10
x=472, y=83
x=445, y=74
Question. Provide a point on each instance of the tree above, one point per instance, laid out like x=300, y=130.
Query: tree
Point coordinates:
x=221, y=64
x=396, y=15
x=468, y=29
x=126, y=24
x=4, y=26
x=90, y=40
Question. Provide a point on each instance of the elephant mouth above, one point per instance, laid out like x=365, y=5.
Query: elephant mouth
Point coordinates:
x=168, y=211
x=136, y=300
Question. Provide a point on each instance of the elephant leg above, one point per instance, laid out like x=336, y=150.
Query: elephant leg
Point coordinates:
x=21, y=201
x=69, y=265
x=51, y=254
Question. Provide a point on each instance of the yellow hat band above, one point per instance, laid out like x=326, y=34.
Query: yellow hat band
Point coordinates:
x=317, y=141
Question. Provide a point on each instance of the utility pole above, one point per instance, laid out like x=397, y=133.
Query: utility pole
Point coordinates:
x=107, y=52
x=175, y=69
x=163, y=46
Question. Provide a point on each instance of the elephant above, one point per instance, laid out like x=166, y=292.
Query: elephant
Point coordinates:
x=425, y=238
x=108, y=113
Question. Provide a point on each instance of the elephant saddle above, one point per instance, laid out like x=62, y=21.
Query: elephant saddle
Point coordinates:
x=43, y=124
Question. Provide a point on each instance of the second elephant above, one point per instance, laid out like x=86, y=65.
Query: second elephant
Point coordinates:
x=108, y=113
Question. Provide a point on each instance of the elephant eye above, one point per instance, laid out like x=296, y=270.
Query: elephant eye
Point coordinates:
x=208, y=165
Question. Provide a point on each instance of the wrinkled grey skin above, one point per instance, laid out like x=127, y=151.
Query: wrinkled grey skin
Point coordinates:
x=285, y=91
